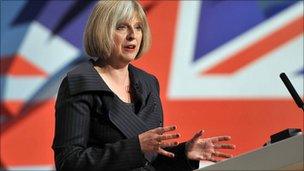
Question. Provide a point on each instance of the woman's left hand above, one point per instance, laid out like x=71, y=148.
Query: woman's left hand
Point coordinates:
x=199, y=148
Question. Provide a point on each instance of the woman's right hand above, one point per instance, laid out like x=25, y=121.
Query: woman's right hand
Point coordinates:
x=153, y=140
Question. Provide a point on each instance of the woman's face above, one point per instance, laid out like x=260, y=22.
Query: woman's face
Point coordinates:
x=127, y=39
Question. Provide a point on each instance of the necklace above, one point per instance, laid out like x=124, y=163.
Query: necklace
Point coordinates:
x=121, y=89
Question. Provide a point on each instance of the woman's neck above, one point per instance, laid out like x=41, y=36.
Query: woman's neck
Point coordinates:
x=117, y=79
x=118, y=75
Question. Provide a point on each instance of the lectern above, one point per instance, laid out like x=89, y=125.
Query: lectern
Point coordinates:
x=283, y=155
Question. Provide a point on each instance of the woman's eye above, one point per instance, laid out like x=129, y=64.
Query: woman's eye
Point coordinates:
x=121, y=27
x=138, y=27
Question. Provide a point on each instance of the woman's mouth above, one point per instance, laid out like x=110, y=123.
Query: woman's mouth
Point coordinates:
x=129, y=48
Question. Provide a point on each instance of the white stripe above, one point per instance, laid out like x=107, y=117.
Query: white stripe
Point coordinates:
x=186, y=29
x=33, y=167
x=248, y=38
x=259, y=80
x=21, y=88
x=48, y=52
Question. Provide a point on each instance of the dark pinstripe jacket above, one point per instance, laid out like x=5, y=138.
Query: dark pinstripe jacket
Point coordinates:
x=96, y=131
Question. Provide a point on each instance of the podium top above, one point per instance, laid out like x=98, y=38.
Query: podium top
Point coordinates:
x=283, y=155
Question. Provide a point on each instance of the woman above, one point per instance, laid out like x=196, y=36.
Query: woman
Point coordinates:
x=108, y=112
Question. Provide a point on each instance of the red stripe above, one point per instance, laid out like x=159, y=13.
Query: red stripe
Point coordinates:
x=11, y=108
x=249, y=122
x=17, y=65
x=258, y=49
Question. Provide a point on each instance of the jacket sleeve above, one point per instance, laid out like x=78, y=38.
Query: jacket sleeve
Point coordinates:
x=179, y=162
x=71, y=138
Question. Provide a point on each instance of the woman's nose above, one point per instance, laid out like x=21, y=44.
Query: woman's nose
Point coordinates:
x=131, y=34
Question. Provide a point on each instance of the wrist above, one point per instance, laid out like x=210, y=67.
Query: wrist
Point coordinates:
x=187, y=147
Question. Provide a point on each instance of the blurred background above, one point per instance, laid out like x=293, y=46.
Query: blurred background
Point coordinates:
x=218, y=64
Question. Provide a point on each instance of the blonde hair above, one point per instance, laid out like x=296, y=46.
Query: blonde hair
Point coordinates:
x=106, y=15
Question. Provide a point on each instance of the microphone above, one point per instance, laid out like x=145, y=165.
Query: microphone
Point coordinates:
x=289, y=132
x=292, y=91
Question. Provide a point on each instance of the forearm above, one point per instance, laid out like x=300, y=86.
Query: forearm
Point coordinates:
x=179, y=162
x=122, y=155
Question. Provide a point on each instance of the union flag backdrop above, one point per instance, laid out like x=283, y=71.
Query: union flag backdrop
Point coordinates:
x=218, y=63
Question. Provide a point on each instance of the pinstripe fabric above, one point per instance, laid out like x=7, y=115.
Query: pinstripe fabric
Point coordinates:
x=96, y=130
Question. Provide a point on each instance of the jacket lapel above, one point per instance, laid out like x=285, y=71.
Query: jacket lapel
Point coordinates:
x=125, y=119
x=150, y=113
x=139, y=95
x=86, y=78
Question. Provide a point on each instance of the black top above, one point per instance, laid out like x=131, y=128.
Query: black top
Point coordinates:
x=96, y=130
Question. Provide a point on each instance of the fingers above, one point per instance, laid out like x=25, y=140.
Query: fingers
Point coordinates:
x=165, y=153
x=153, y=140
x=213, y=159
x=168, y=137
x=156, y=146
x=209, y=158
x=224, y=146
x=220, y=138
x=168, y=144
x=198, y=135
x=162, y=136
x=223, y=155
x=160, y=145
x=215, y=156
x=161, y=130
x=224, y=138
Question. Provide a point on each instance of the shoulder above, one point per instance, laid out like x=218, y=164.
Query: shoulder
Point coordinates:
x=76, y=85
x=84, y=78
x=141, y=73
x=149, y=80
x=83, y=68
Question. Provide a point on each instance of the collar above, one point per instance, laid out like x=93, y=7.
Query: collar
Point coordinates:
x=85, y=78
